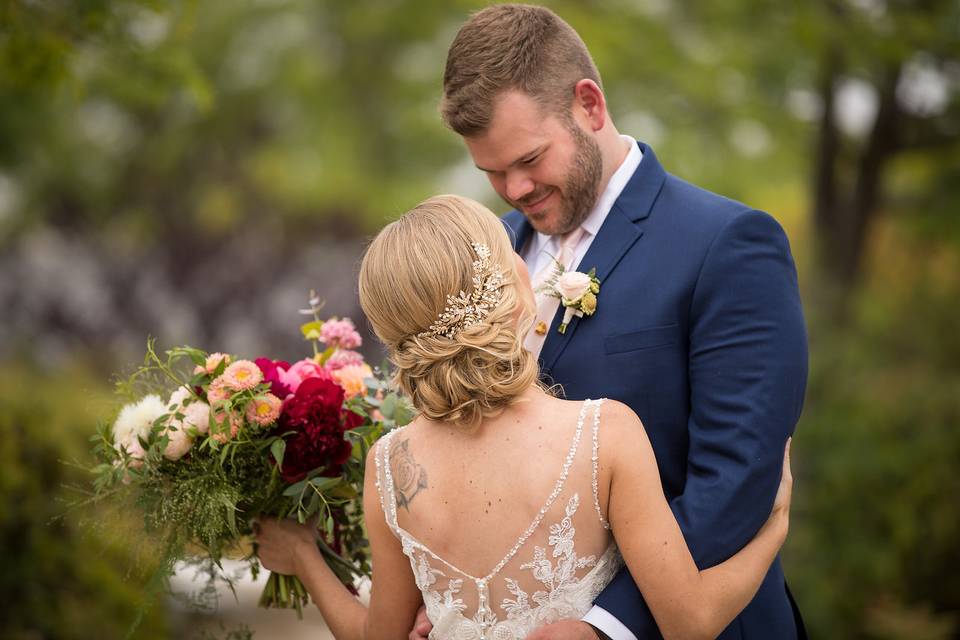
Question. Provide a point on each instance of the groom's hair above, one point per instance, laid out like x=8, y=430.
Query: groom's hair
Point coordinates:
x=506, y=47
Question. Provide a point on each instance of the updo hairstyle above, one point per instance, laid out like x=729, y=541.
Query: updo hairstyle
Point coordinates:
x=408, y=271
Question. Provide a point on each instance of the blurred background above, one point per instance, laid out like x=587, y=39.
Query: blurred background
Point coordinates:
x=189, y=170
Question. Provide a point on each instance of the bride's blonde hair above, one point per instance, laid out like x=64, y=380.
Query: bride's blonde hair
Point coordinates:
x=407, y=273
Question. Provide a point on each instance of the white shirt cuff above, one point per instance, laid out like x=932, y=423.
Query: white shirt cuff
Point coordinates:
x=603, y=620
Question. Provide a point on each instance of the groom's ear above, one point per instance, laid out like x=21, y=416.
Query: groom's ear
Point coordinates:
x=589, y=104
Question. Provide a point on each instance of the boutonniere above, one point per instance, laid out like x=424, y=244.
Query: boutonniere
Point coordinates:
x=577, y=292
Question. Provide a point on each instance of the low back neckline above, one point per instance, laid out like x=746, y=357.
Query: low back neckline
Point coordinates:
x=538, y=519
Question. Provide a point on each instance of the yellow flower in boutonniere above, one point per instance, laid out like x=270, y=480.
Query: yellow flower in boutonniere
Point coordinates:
x=577, y=292
x=588, y=303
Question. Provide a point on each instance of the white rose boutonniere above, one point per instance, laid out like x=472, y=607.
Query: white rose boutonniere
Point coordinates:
x=577, y=292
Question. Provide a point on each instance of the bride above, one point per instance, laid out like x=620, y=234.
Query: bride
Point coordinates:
x=502, y=508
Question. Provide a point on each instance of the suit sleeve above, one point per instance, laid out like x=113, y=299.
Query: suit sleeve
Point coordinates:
x=747, y=371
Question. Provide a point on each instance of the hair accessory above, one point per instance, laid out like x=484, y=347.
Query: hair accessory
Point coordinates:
x=465, y=310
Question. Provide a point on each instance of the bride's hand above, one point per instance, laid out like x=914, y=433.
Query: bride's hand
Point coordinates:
x=781, y=503
x=282, y=543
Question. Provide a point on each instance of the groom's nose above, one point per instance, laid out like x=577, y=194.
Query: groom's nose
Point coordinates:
x=518, y=185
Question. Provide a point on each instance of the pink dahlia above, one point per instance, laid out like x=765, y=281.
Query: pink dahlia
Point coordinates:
x=341, y=334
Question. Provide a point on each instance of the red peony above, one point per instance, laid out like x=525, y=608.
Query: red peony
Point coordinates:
x=315, y=412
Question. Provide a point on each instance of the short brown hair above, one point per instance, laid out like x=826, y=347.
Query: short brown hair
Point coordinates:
x=511, y=46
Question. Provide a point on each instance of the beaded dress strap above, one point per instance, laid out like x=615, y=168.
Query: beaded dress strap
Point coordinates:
x=387, y=495
x=595, y=458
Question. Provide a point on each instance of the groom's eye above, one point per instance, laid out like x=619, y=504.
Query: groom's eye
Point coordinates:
x=532, y=159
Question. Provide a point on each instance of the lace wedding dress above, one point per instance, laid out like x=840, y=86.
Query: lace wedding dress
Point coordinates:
x=543, y=578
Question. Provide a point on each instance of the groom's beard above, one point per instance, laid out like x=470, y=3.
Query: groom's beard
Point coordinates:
x=580, y=190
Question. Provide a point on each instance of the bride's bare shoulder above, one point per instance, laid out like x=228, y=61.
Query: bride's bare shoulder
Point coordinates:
x=619, y=423
x=613, y=414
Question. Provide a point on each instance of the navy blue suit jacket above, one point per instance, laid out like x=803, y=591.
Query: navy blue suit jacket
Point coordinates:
x=699, y=329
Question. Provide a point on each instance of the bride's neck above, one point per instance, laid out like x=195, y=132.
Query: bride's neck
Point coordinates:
x=528, y=401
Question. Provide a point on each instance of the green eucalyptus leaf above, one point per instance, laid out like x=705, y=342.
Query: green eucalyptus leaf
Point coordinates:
x=278, y=448
x=389, y=405
x=324, y=484
x=295, y=489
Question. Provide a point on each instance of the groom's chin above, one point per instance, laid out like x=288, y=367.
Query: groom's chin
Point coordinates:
x=545, y=222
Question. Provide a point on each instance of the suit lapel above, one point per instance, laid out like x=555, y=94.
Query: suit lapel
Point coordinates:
x=614, y=239
x=617, y=235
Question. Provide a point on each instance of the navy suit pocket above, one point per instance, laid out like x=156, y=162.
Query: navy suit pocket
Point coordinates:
x=643, y=339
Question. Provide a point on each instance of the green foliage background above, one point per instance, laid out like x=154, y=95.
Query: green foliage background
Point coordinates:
x=156, y=133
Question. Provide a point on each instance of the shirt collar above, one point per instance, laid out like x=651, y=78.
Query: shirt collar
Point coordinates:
x=616, y=184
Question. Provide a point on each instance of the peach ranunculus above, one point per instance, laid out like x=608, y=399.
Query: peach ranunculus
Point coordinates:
x=178, y=441
x=573, y=284
x=351, y=379
x=180, y=431
x=300, y=371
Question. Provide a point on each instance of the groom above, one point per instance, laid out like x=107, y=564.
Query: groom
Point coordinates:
x=698, y=325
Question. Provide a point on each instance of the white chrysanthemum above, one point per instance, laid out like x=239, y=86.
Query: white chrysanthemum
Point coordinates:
x=179, y=396
x=136, y=419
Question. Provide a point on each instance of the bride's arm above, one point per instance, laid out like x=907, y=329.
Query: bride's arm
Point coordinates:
x=686, y=602
x=288, y=547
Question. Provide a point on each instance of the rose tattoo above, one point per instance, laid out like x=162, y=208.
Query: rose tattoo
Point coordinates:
x=409, y=478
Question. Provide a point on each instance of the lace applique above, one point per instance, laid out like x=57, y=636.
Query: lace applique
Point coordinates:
x=560, y=579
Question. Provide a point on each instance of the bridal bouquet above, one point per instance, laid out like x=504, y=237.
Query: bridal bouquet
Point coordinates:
x=212, y=440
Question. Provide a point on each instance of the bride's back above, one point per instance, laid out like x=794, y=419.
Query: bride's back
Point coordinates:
x=508, y=508
x=491, y=489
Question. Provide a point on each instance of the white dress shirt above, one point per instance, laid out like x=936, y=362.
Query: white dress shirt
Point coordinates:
x=538, y=252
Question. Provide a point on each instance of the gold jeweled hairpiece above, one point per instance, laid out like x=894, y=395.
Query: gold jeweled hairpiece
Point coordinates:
x=465, y=310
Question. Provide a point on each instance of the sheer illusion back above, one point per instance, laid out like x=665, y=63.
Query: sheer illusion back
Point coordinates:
x=561, y=557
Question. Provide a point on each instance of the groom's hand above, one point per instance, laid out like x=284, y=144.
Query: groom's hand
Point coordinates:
x=566, y=630
x=421, y=626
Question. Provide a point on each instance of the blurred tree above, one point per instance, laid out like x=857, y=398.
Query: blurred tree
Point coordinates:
x=60, y=579
x=906, y=57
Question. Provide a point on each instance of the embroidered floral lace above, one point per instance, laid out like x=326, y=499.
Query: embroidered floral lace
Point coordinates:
x=540, y=580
